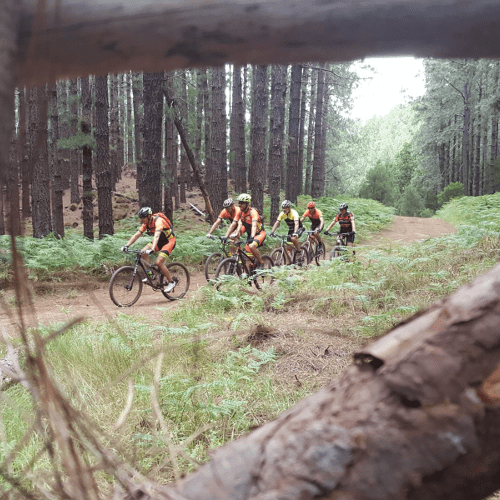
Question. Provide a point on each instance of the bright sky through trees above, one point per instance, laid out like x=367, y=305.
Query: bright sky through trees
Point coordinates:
x=395, y=80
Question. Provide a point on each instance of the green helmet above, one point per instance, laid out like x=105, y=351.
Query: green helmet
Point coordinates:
x=245, y=198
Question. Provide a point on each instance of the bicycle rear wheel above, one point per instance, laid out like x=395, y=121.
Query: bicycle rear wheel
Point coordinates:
x=125, y=288
x=180, y=275
x=211, y=265
x=320, y=253
x=278, y=256
x=338, y=253
x=300, y=257
x=309, y=250
x=264, y=276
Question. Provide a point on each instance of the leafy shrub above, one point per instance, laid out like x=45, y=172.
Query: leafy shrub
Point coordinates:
x=379, y=185
x=410, y=203
x=453, y=190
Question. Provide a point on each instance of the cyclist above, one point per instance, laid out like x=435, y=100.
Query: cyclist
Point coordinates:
x=317, y=220
x=159, y=226
x=250, y=220
x=346, y=222
x=291, y=217
x=228, y=213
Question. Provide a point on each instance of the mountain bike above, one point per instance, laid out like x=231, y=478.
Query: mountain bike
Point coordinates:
x=314, y=249
x=215, y=259
x=243, y=264
x=125, y=286
x=282, y=257
x=341, y=250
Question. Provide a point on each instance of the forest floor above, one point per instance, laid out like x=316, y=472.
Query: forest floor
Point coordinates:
x=309, y=342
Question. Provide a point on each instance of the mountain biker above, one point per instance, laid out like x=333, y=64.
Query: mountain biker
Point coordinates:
x=250, y=220
x=346, y=222
x=317, y=220
x=291, y=217
x=160, y=227
x=228, y=213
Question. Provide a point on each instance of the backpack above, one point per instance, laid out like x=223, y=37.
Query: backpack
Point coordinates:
x=170, y=227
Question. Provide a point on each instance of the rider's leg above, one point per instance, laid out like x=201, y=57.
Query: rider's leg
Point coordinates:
x=295, y=242
x=165, y=251
x=145, y=256
x=253, y=247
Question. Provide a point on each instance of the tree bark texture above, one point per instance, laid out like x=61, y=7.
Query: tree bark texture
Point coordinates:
x=73, y=128
x=103, y=173
x=217, y=172
x=256, y=172
x=137, y=84
x=317, y=182
x=416, y=417
x=276, y=160
x=118, y=35
x=151, y=158
x=292, y=167
x=184, y=170
x=40, y=189
x=87, y=193
x=55, y=164
x=310, y=132
x=302, y=126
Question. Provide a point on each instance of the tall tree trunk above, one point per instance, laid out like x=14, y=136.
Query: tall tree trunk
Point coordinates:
x=151, y=160
x=137, y=85
x=14, y=221
x=477, y=140
x=310, y=132
x=292, y=169
x=184, y=172
x=240, y=166
x=318, y=186
x=87, y=195
x=324, y=132
x=114, y=129
x=130, y=134
x=103, y=173
x=218, y=174
x=276, y=160
x=302, y=122
x=199, y=112
x=73, y=152
x=207, y=132
x=23, y=154
x=170, y=164
x=40, y=189
x=466, y=140
x=234, y=140
x=256, y=173
x=57, y=187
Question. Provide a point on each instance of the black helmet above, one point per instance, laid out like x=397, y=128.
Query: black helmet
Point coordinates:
x=343, y=206
x=144, y=212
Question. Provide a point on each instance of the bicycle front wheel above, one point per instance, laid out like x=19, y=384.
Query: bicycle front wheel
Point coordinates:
x=320, y=253
x=264, y=276
x=180, y=275
x=309, y=251
x=227, y=267
x=278, y=256
x=125, y=288
x=211, y=265
x=300, y=257
x=337, y=252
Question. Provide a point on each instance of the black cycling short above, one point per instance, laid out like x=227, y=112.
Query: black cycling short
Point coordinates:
x=350, y=237
x=300, y=232
x=315, y=223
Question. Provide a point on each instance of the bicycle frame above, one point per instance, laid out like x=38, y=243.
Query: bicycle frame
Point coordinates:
x=285, y=245
x=140, y=263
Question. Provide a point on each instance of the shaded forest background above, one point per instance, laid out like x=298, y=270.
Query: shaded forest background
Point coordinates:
x=280, y=130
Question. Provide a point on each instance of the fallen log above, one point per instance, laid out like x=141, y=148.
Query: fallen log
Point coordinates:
x=417, y=417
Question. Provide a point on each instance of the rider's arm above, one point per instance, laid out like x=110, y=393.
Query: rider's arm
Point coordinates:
x=353, y=224
x=331, y=225
x=276, y=224
x=254, y=228
x=134, y=238
x=296, y=226
x=322, y=223
x=231, y=228
x=215, y=225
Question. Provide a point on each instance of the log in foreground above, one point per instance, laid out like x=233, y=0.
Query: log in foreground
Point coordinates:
x=70, y=38
x=417, y=417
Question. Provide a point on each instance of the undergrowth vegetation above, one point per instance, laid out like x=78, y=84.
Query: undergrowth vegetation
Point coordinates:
x=216, y=383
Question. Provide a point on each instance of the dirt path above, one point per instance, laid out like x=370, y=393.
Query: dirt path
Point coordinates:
x=409, y=229
x=92, y=301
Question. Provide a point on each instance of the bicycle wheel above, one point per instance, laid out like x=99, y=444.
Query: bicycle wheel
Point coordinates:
x=338, y=252
x=211, y=265
x=264, y=278
x=309, y=251
x=125, y=288
x=278, y=256
x=180, y=275
x=300, y=257
x=320, y=253
x=227, y=267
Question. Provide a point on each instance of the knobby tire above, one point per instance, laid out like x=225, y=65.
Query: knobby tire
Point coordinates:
x=264, y=279
x=211, y=265
x=123, y=279
x=180, y=274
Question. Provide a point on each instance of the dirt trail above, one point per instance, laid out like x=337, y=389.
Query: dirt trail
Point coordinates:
x=91, y=300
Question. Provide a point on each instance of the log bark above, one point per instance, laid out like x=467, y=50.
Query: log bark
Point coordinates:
x=117, y=35
x=417, y=417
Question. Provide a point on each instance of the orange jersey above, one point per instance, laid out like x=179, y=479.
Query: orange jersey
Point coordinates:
x=247, y=218
x=345, y=221
x=317, y=214
x=226, y=215
x=157, y=222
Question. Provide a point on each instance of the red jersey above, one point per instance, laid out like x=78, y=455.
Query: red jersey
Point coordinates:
x=247, y=218
x=226, y=215
x=317, y=214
